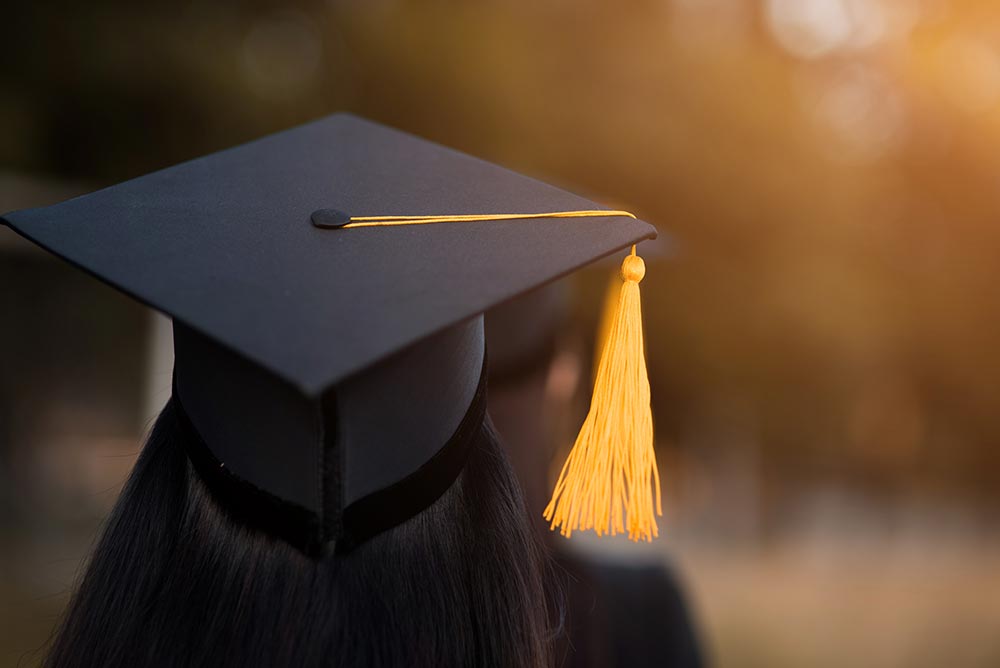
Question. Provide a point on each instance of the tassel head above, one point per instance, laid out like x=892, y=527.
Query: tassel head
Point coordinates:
x=633, y=269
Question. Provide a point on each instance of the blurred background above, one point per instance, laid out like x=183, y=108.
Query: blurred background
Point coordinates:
x=822, y=328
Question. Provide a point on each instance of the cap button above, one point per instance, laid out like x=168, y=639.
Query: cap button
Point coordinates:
x=329, y=218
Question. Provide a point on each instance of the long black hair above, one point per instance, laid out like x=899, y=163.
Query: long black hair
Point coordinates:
x=176, y=581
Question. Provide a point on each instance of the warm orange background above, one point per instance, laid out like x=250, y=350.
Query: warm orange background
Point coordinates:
x=823, y=332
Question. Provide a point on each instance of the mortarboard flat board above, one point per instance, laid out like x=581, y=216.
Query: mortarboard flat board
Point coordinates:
x=299, y=316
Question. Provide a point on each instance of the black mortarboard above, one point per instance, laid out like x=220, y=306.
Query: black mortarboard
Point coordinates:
x=330, y=375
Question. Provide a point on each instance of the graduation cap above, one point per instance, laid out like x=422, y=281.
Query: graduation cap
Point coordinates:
x=327, y=285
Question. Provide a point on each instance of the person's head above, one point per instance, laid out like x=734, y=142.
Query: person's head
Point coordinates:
x=537, y=363
x=178, y=580
x=377, y=524
x=328, y=466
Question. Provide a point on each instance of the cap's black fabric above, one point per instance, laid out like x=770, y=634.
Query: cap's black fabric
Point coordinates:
x=225, y=244
x=326, y=369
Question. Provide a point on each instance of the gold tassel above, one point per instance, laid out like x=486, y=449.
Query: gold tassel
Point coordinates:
x=611, y=469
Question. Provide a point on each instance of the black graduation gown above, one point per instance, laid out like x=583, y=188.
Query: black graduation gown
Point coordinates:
x=624, y=616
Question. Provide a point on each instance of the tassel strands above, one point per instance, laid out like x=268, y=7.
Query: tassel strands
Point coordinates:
x=611, y=469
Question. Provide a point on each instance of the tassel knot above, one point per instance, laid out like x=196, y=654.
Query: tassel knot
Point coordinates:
x=633, y=269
